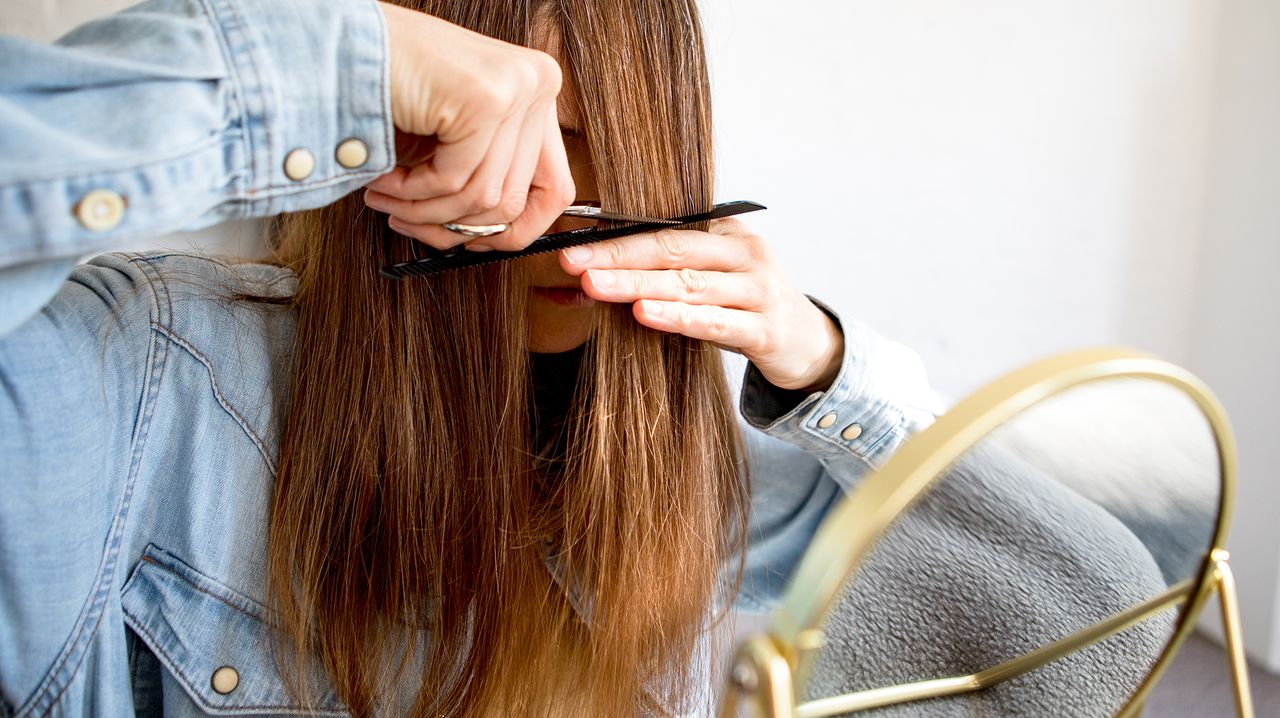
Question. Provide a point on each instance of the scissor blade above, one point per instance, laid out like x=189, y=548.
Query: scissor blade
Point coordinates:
x=458, y=258
x=589, y=212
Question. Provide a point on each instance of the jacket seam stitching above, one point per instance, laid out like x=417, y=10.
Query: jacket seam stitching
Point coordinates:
x=176, y=668
x=139, y=625
x=384, y=105
x=262, y=88
x=44, y=699
x=217, y=392
x=177, y=155
x=170, y=570
x=241, y=101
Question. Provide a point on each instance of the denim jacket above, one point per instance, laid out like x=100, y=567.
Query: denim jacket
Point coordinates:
x=137, y=435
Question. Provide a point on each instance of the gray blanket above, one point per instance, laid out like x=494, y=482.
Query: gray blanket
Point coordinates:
x=993, y=561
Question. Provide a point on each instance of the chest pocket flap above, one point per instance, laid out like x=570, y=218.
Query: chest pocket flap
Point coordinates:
x=213, y=642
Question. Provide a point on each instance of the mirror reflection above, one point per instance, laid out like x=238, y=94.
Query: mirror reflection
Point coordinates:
x=1086, y=505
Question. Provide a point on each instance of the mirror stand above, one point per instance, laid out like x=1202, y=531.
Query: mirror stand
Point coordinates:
x=761, y=676
x=770, y=669
x=1224, y=583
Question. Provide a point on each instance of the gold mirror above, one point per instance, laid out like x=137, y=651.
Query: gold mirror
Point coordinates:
x=1042, y=549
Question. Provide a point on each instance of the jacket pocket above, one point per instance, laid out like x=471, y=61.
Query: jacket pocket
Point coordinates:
x=213, y=642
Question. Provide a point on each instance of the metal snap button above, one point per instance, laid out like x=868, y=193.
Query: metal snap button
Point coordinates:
x=851, y=432
x=225, y=680
x=299, y=164
x=827, y=420
x=352, y=153
x=100, y=210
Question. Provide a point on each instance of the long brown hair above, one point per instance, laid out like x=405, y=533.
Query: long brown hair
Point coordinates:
x=412, y=528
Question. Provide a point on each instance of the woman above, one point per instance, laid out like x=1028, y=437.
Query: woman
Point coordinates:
x=638, y=505
x=202, y=451
x=296, y=487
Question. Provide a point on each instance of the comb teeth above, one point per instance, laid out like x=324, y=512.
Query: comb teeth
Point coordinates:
x=466, y=258
x=462, y=258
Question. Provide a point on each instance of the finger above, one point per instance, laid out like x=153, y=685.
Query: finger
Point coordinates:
x=446, y=173
x=551, y=192
x=519, y=176
x=733, y=328
x=668, y=249
x=412, y=213
x=738, y=290
x=481, y=194
x=430, y=234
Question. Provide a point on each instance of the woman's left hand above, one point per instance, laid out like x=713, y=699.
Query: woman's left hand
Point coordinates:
x=724, y=286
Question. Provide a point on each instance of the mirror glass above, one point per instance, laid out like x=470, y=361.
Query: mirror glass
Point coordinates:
x=1089, y=503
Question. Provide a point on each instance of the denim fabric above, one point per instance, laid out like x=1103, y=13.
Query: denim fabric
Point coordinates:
x=140, y=416
x=140, y=419
x=139, y=410
x=799, y=468
x=187, y=109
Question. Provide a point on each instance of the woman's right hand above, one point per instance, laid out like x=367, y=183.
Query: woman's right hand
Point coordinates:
x=479, y=138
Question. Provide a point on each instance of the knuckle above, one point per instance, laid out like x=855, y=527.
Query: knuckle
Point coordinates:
x=527, y=80
x=617, y=254
x=452, y=183
x=717, y=325
x=682, y=319
x=757, y=249
x=672, y=243
x=493, y=99
x=693, y=281
x=513, y=205
x=566, y=192
x=486, y=198
x=771, y=293
x=546, y=73
x=636, y=281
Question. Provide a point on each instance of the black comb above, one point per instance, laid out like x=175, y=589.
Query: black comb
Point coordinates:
x=458, y=258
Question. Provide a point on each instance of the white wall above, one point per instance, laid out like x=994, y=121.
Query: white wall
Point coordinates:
x=1236, y=322
x=986, y=181
x=995, y=180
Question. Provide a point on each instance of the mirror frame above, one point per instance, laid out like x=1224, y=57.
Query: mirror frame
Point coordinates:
x=769, y=670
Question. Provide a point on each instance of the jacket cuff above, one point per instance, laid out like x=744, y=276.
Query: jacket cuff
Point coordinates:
x=311, y=75
x=880, y=395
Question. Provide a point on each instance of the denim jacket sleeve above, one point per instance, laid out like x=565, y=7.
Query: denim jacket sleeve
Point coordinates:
x=182, y=110
x=176, y=115
x=804, y=452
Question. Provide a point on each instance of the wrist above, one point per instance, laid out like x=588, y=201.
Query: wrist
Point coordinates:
x=826, y=368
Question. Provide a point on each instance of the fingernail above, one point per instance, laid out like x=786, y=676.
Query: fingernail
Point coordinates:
x=477, y=247
x=601, y=278
x=578, y=255
x=372, y=200
x=653, y=309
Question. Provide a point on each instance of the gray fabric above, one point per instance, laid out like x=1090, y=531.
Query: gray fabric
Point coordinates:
x=993, y=561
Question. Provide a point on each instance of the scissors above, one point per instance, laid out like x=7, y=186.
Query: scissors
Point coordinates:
x=618, y=225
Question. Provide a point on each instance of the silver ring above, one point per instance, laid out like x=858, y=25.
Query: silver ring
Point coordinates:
x=476, y=230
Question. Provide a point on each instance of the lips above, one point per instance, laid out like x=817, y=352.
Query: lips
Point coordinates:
x=570, y=296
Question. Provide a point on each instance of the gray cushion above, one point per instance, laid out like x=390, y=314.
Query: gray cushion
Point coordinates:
x=993, y=561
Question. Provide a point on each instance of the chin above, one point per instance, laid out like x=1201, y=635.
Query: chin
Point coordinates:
x=569, y=330
x=556, y=343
